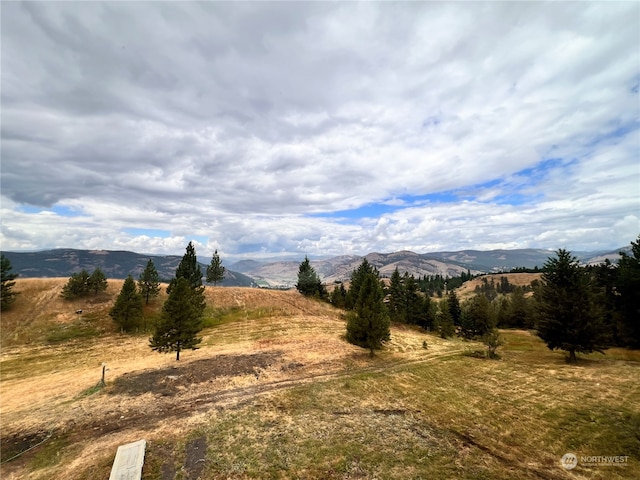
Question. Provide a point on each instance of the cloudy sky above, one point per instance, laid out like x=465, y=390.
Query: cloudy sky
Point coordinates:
x=264, y=129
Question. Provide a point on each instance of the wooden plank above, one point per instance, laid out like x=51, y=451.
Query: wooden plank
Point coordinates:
x=128, y=462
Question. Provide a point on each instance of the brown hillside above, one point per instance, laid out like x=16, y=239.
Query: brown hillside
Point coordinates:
x=274, y=391
x=39, y=308
x=520, y=279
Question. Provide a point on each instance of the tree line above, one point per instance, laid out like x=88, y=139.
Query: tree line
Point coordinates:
x=574, y=308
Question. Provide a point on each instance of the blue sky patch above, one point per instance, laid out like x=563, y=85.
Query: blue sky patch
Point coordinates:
x=60, y=210
x=149, y=232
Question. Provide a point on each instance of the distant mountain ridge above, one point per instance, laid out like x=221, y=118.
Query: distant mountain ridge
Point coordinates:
x=63, y=262
x=438, y=263
x=118, y=264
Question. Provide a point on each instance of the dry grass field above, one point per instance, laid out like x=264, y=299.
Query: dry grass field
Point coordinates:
x=276, y=392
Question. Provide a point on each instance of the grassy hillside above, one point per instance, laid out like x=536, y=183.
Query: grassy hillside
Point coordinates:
x=518, y=279
x=275, y=392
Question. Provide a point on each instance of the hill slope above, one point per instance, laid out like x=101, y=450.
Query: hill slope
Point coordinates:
x=276, y=392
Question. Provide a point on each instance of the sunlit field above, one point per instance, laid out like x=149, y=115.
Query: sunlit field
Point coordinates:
x=276, y=392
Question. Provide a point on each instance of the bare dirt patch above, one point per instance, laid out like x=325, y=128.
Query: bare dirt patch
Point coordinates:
x=170, y=380
x=196, y=451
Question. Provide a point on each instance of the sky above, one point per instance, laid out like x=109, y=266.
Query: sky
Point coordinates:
x=268, y=129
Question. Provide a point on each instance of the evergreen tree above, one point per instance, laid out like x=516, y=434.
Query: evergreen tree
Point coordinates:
x=97, y=281
x=368, y=324
x=181, y=319
x=454, y=307
x=396, y=303
x=358, y=276
x=413, y=302
x=309, y=283
x=127, y=311
x=467, y=325
x=427, y=319
x=518, y=313
x=77, y=285
x=81, y=284
x=215, y=270
x=570, y=314
x=149, y=282
x=628, y=295
x=338, y=296
x=7, y=280
x=189, y=269
x=479, y=316
x=444, y=320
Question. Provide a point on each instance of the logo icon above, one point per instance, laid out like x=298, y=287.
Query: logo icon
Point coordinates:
x=569, y=461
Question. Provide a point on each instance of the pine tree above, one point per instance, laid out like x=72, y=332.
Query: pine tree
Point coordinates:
x=7, y=280
x=181, y=320
x=76, y=286
x=478, y=316
x=128, y=310
x=413, y=302
x=338, y=296
x=628, y=295
x=189, y=268
x=518, y=313
x=97, y=281
x=397, y=302
x=454, y=307
x=149, y=282
x=368, y=325
x=215, y=270
x=444, y=320
x=309, y=283
x=570, y=314
x=357, y=279
x=428, y=314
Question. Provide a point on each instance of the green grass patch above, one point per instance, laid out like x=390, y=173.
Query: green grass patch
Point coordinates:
x=50, y=453
x=74, y=331
x=90, y=391
x=27, y=365
x=85, y=327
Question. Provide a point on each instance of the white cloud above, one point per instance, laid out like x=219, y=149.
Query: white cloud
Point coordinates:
x=236, y=122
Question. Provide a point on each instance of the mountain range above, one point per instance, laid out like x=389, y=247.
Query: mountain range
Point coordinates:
x=451, y=264
x=118, y=264
x=63, y=262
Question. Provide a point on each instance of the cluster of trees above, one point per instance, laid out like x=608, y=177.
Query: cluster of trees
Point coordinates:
x=180, y=321
x=82, y=284
x=407, y=304
x=368, y=320
x=7, y=283
x=573, y=308
x=128, y=310
x=491, y=290
x=435, y=285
